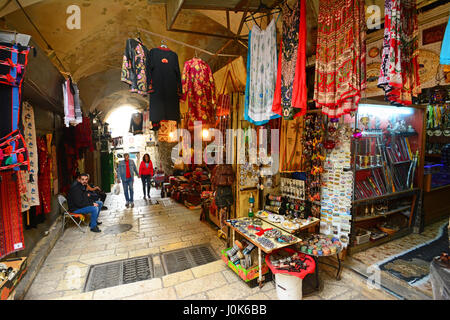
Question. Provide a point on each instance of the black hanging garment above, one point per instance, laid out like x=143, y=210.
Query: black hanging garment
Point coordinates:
x=164, y=84
x=134, y=67
x=13, y=152
x=136, y=123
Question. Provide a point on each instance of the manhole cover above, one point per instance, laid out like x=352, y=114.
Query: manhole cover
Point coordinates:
x=116, y=273
x=179, y=260
x=119, y=228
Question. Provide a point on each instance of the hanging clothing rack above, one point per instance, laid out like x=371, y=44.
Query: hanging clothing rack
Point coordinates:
x=187, y=45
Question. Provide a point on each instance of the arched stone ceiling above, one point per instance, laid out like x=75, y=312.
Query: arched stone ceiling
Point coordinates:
x=93, y=54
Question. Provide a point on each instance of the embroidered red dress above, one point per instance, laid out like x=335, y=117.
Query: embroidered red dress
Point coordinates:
x=199, y=91
x=340, y=56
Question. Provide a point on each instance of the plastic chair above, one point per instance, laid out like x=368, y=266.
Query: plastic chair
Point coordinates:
x=62, y=200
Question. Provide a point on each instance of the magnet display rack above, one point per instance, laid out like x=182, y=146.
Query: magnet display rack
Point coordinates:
x=387, y=171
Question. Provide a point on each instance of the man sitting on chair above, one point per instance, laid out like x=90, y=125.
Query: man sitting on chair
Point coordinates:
x=80, y=202
x=96, y=192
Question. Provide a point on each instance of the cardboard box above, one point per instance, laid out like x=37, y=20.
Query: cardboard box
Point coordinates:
x=7, y=286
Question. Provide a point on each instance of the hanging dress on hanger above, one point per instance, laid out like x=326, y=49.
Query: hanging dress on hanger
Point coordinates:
x=291, y=92
x=199, y=90
x=134, y=67
x=263, y=74
x=164, y=85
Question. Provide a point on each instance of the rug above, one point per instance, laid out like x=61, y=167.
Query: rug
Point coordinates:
x=413, y=266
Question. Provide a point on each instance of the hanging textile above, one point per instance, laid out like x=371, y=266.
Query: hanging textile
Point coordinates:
x=44, y=177
x=31, y=197
x=167, y=127
x=69, y=104
x=263, y=74
x=291, y=92
x=165, y=85
x=399, y=75
x=445, y=47
x=11, y=228
x=134, y=67
x=83, y=135
x=13, y=152
x=199, y=91
x=340, y=56
x=136, y=123
x=77, y=105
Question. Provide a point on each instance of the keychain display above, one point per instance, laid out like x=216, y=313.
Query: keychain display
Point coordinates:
x=293, y=188
x=313, y=154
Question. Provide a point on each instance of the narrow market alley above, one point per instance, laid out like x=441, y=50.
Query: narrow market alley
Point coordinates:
x=156, y=229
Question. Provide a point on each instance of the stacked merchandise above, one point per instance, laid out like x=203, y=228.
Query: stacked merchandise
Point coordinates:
x=337, y=190
x=292, y=208
x=340, y=75
x=399, y=76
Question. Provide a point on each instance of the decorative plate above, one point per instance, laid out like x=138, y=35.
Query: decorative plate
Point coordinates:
x=428, y=65
x=290, y=225
x=275, y=218
x=372, y=75
x=374, y=52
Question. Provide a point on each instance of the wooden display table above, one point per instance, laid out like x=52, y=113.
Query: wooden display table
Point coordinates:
x=250, y=235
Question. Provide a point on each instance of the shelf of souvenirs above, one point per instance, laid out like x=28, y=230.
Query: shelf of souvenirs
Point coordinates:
x=354, y=248
x=387, y=195
x=379, y=215
x=358, y=168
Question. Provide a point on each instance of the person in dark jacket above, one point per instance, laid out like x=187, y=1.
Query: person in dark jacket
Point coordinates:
x=80, y=202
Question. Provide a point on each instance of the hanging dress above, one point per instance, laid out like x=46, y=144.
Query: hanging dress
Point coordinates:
x=263, y=74
x=164, y=84
x=399, y=74
x=291, y=92
x=134, y=67
x=199, y=90
x=340, y=75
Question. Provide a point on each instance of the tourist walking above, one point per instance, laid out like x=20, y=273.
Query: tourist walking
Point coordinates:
x=125, y=173
x=146, y=173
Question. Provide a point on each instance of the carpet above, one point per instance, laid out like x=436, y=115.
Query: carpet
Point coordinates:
x=413, y=266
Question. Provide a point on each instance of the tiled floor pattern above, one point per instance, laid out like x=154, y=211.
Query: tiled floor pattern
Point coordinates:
x=381, y=252
x=159, y=229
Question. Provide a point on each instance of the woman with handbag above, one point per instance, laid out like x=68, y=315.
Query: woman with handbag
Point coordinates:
x=146, y=173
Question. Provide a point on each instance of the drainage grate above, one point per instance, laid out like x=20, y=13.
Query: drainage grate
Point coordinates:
x=166, y=202
x=183, y=259
x=116, y=273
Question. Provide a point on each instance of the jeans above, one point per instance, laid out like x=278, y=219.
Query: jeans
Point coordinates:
x=146, y=182
x=93, y=211
x=128, y=189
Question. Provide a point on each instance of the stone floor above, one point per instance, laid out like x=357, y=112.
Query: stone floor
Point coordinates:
x=379, y=253
x=156, y=229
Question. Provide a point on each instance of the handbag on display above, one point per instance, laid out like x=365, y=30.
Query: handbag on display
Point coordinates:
x=223, y=175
